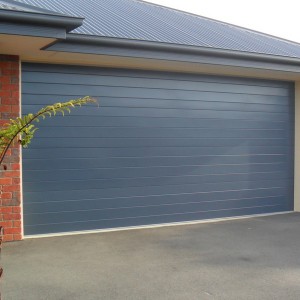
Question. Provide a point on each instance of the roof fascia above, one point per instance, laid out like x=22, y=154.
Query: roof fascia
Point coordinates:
x=68, y=23
x=85, y=44
x=32, y=30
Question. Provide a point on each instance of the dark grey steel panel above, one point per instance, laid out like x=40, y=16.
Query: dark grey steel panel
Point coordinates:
x=31, y=30
x=161, y=148
x=139, y=20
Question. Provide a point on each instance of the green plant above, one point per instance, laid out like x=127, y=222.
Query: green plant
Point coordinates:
x=22, y=129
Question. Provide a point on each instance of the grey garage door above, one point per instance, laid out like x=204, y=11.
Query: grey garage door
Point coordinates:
x=161, y=148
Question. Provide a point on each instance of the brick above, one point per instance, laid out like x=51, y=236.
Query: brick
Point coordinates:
x=16, y=216
x=15, y=108
x=17, y=197
x=18, y=237
x=10, y=100
x=5, y=93
x=11, y=216
x=16, y=180
x=16, y=209
x=16, y=224
x=10, y=87
x=10, y=210
x=15, y=65
x=11, y=174
x=5, y=108
x=7, y=217
x=5, y=65
x=14, y=79
x=6, y=195
x=6, y=202
x=13, y=159
x=11, y=188
x=15, y=151
x=5, y=79
x=6, y=210
x=5, y=181
x=13, y=231
x=9, y=115
x=6, y=224
x=15, y=166
x=4, y=57
x=10, y=72
x=3, y=122
x=15, y=94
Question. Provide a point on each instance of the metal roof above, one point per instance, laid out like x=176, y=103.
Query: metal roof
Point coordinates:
x=12, y=5
x=139, y=20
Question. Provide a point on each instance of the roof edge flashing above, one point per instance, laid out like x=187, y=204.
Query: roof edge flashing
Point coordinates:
x=179, y=48
x=67, y=22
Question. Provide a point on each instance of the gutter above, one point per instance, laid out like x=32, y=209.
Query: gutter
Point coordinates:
x=178, y=48
x=58, y=21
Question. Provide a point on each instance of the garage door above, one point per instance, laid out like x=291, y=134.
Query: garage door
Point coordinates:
x=161, y=148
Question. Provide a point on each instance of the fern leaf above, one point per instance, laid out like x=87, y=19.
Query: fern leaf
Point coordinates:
x=24, y=127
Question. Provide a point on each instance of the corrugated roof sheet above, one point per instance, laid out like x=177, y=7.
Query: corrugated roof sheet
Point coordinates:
x=23, y=7
x=4, y=6
x=11, y=7
x=135, y=19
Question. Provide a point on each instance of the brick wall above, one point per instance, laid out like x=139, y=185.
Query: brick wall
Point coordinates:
x=10, y=186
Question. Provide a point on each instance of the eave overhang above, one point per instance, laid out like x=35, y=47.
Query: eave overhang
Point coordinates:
x=73, y=40
x=95, y=45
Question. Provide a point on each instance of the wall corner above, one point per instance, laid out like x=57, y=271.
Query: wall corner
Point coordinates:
x=10, y=179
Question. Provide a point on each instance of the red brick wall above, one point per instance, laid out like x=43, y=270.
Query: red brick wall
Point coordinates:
x=10, y=179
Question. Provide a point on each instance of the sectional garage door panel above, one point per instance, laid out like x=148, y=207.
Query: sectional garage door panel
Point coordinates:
x=161, y=148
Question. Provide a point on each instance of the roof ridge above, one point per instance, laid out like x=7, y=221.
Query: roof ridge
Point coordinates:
x=221, y=22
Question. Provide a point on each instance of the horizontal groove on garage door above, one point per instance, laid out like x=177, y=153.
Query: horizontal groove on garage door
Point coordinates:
x=162, y=147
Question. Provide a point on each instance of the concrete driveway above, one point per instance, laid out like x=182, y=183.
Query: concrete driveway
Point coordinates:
x=257, y=258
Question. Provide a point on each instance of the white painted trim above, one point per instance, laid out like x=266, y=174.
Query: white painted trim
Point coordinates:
x=153, y=225
x=21, y=153
x=297, y=148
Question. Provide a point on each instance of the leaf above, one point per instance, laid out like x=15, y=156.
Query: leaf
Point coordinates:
x=24, y=127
